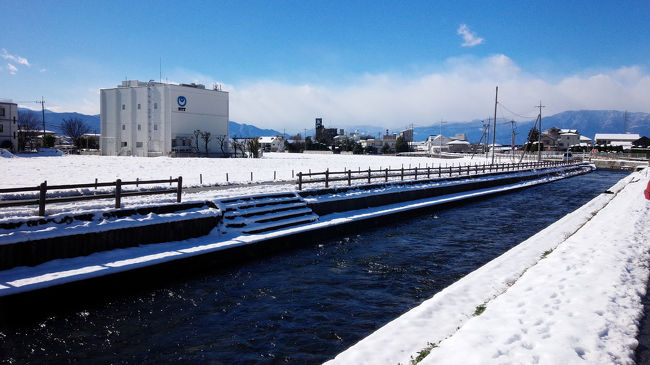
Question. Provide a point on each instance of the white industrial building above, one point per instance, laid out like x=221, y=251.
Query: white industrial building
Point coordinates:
x=155, y=119
x=8, y=126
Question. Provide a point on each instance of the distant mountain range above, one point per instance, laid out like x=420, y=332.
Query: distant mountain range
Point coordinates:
x=587, y=122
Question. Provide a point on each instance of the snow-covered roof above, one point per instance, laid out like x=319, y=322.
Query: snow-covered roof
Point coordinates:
x=267, y=139
x=569, y=134
x=621, y=143
x=562, y=131
x=585, y=139
x=459, y=142
x=618, y=136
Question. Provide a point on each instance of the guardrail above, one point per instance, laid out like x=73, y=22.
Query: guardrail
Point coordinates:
x=43, y=188
x=401, y=174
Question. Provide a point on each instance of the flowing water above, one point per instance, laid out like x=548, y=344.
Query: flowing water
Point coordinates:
x=301, y=306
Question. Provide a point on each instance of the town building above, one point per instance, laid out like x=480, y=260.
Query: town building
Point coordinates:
x=154, y=118
x=272, y=143
x=324, y=135
x=8, y=125
x=624, y=140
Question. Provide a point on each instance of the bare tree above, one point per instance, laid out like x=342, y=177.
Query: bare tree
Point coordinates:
x=253, y=145
x=222, y=140
x=74, y=128
x=197, y=135
x=28, y=123
x=239, y=144
x=207, y=137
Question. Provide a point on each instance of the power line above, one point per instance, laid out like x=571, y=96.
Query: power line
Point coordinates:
x=517, y=114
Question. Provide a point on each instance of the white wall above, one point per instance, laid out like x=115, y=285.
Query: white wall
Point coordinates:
x=149, y=130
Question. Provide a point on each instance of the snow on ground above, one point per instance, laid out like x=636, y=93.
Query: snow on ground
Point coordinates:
x=4, y=153
x=60, y=212
x=77, y=169
x=569, y=294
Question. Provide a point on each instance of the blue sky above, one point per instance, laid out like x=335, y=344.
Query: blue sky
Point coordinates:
x=387, y=63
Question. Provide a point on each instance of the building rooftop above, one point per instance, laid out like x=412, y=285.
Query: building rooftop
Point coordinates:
x=618, y=136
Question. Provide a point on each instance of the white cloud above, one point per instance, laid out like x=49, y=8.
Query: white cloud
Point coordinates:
x=12, y=69
x=462, y=89
x=469, y=38
x=15, y=59
x=42, y=70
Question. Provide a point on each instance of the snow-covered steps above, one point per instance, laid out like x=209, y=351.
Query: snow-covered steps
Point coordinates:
x=263, y=213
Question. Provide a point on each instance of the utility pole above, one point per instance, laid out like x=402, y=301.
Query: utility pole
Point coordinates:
x=625, y=122
x=539, y=138
x=440, y=138
x=494, y=129
x=512, y=143
x=42, y=102
x=487, y=138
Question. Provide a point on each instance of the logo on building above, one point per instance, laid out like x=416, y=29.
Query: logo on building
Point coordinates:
x=182, y=101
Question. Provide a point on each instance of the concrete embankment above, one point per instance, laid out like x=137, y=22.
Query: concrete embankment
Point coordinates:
x=223, y=246
x=619, y=164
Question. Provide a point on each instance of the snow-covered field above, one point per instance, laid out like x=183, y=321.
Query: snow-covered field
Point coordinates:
x=75, y=169
x=31, y=170
x=570, y=294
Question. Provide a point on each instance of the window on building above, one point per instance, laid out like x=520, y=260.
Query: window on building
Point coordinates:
x=2, y=112
x=155, y=127
x=138, y=106
x=138, y=144
x=2, y=128
x=123, y=107
x=123, y=144
x=123, y=127
x=155, y=105
x=139, y=127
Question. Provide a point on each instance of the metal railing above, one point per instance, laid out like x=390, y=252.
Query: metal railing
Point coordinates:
x=416, y=173
x=117, y=194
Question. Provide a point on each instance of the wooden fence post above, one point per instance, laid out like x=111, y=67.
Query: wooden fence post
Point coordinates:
x=299, y=180
x=349, y=177
x=201, y=179
x=118, y=193
x=386, y=178
x=179, y=189
x=327, y=178
x=41, y=198
x=416, y=173
x=402, y=174
x=369, y=175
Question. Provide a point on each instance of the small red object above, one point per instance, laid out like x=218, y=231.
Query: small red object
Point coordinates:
x=647, y=191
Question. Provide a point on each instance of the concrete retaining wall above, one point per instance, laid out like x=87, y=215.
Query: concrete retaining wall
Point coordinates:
x=30, y=253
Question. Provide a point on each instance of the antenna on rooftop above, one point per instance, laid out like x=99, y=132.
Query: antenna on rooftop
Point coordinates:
x=160, y=68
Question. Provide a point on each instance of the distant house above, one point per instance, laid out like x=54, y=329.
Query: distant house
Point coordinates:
x=8, y=126
x=272, y=144
x=568, y=140
x=642, y=142
x=438, y=143
x=624, y=140
x=458, y=146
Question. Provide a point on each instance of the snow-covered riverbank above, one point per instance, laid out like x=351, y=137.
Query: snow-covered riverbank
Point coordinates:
x=569, y=294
